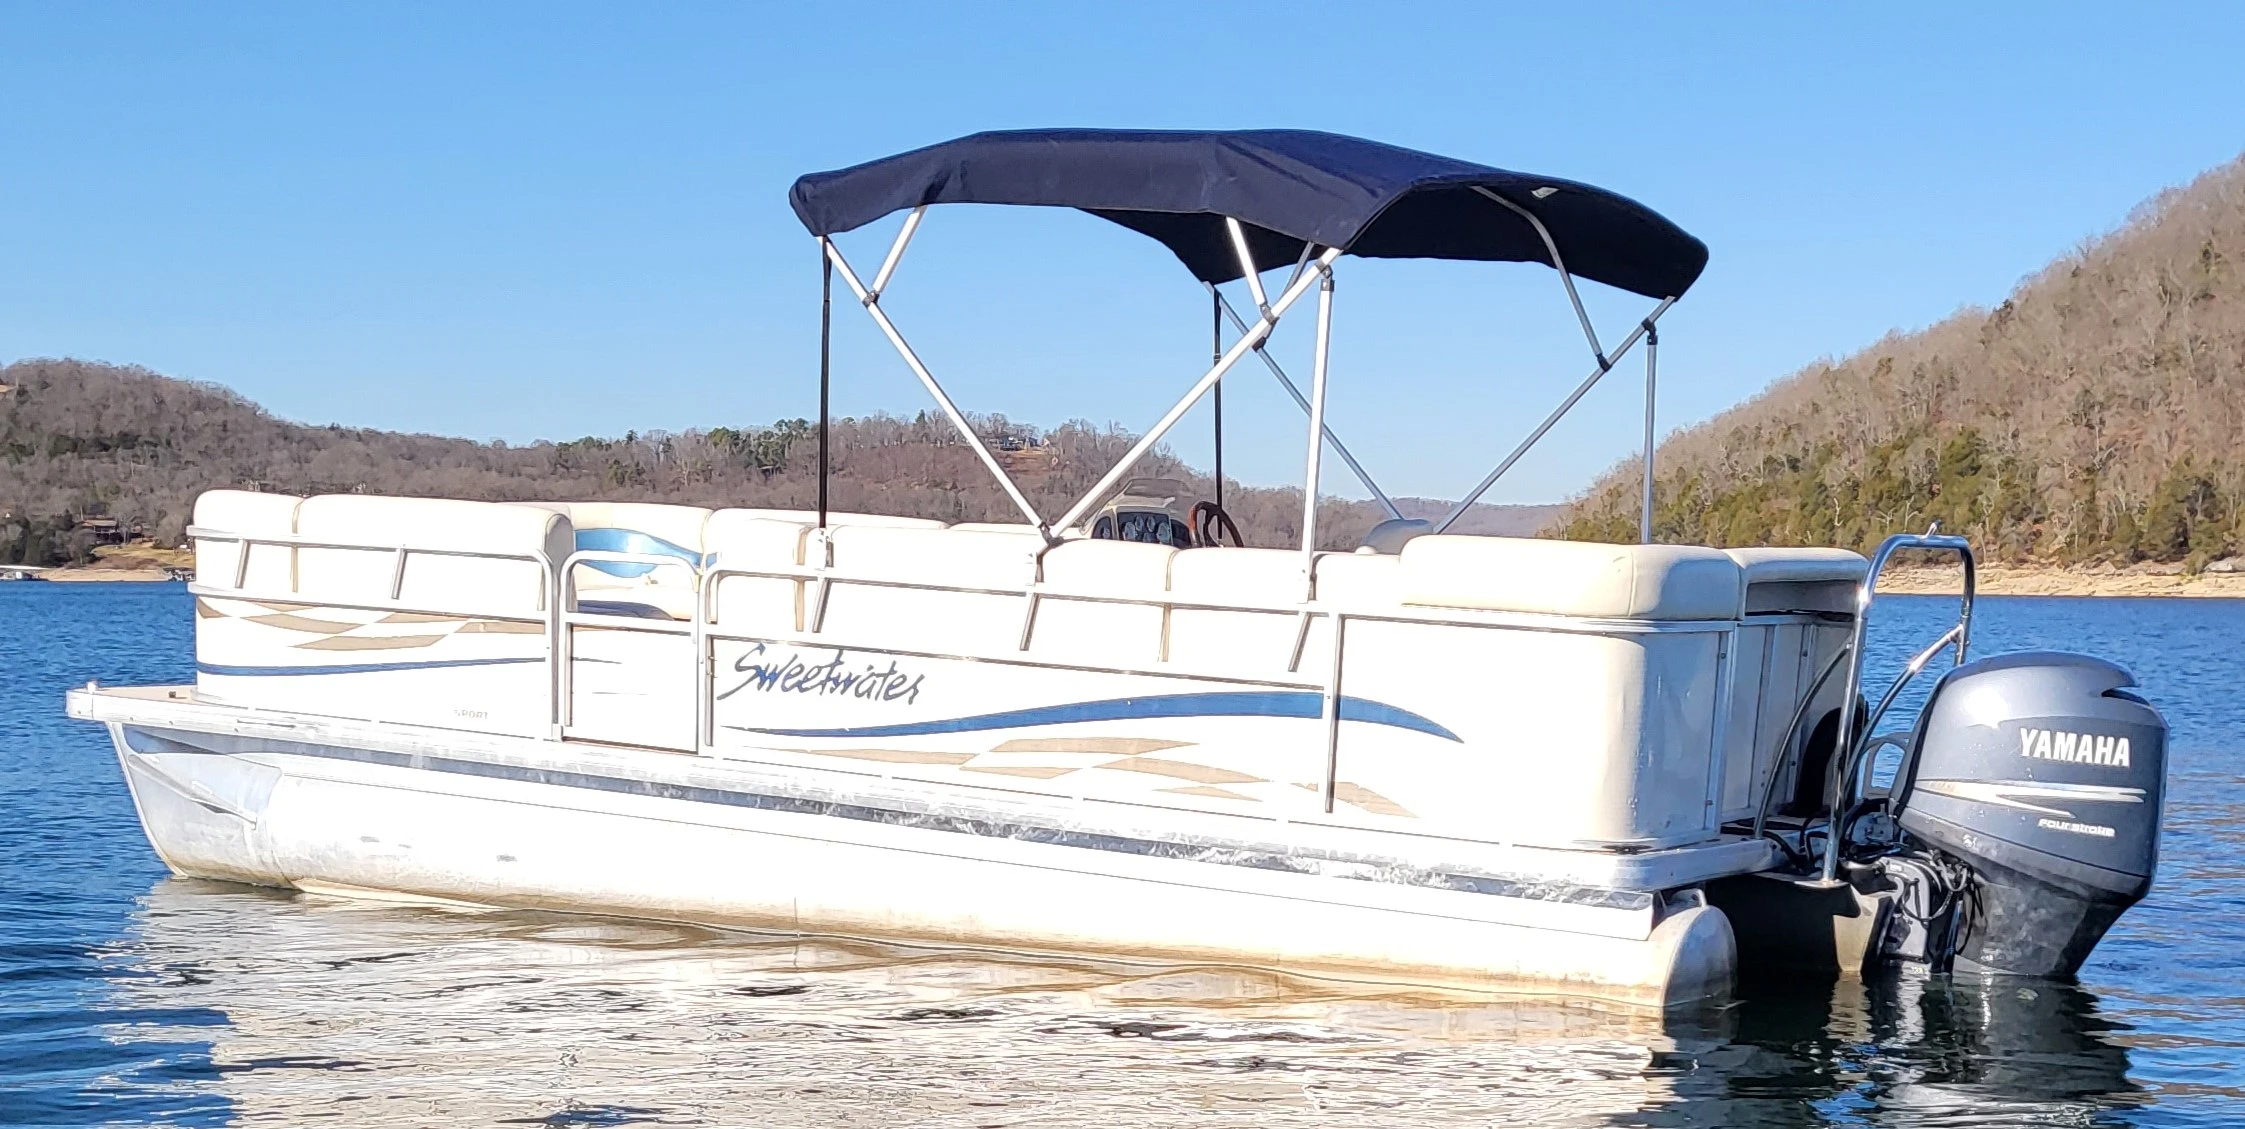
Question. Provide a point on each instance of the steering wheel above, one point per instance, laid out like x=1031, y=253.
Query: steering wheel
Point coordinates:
x=1209, y=519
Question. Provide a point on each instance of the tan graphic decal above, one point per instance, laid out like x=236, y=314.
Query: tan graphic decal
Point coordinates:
x=417, y=617
x=278, y=606
x=1182, y=770
x=1032, y=771
x=1209, y=792
x=1114, y=746
x=1357, y=795
x=892, y=756
x=304, y=623
x=205, y=610
x=501, y=627
x=369, y=642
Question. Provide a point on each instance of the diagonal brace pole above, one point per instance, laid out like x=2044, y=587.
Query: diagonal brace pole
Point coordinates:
x=1302, y=402
x=1605, y=365
x=1256, y=334
x=958, y=420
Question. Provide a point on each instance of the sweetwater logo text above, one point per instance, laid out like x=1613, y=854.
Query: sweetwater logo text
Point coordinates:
x=2080, y=748
x=792, y=675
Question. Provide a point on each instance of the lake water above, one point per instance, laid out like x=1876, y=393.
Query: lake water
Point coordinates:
x=130, y=997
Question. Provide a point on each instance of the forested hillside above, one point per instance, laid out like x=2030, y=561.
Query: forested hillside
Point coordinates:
x=79, y=439
x=2096, y=415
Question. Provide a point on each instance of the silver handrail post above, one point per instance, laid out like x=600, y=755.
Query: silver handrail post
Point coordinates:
x=1316, y=441
x=1224, y=306
x=1854, y=733
x=1605, y=365
x=1254, y=336
x=1652, y=368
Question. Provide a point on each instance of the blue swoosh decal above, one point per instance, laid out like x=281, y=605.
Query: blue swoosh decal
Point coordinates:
x=356, y=668
x=631, y=541
x=1251, y=703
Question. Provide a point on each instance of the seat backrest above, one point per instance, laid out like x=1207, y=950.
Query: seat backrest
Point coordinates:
x=645, y=528
x=476, y=585
x=963, y=558
x=1800, y=580
x=746, y=539
x=1260, y=642
x=1104, y=630
x=1360, y=579
x=928, y=619
x=271, y=568
x=1571, y=578
x=837, y=519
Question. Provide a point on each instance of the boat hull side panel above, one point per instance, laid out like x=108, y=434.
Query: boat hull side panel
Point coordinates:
x=333, y=824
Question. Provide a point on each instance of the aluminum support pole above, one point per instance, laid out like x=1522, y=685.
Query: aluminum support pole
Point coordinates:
x=825, y=371
x=958, y=420
x=1605, y=365
x=896, y=251
x=1254, y=336
x=1315, y=439
x=1248, y=269
x=1567, y=280
x=1215, y=354
x=1303, y=403
x=1652, y=368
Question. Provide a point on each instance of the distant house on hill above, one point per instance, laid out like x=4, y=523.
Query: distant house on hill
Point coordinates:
x=108, y=530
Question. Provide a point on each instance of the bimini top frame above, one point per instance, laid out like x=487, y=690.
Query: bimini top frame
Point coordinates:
x=1230, y=204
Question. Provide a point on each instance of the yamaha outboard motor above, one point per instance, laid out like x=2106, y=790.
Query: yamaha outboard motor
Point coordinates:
x=2037, y=780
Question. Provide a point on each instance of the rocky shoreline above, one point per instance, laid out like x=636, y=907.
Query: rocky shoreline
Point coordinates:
x=2070, y=580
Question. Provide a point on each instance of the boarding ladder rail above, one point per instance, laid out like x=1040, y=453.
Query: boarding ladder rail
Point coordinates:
x=1857, y=724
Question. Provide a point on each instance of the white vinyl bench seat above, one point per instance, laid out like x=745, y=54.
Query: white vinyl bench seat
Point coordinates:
x=1571, y=578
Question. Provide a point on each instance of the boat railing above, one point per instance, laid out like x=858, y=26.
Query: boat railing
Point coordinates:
x=549, y=589
x=1859, y=725
x=822, y=579
x=562, y=613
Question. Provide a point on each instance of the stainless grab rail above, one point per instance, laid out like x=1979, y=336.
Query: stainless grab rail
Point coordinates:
x=1855, y=731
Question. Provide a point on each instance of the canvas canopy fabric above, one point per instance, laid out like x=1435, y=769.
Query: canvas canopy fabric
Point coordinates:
x=1287, y=188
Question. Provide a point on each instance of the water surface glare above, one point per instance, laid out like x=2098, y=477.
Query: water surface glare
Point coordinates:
x=130, y=997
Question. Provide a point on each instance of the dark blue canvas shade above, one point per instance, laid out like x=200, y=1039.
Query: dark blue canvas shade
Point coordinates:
x=1286, y=187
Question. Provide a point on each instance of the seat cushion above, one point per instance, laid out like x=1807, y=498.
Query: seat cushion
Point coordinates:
x=1800, y=580
x=1575, y=578
x=947, y=557
x=1797, y=566
x=837, y=519
x=1124, y=569
x=434, y=581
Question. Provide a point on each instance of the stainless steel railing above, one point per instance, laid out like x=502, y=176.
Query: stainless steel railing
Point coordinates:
x=1855, y=730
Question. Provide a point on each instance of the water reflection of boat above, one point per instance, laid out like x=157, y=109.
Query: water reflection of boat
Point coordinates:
x=1908, y=1048
x=382, y=1013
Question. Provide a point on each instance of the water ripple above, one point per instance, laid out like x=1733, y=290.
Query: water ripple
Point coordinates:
x=127, y=997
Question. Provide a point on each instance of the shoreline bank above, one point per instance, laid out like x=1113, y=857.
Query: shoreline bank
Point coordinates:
x=105, y=575
x=2058, y=580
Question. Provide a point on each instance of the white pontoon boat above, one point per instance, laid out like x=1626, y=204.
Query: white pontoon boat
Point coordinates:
x=1480, y=763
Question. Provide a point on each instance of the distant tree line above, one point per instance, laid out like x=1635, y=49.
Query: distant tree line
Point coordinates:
x=82, y=439
x=2098, y=415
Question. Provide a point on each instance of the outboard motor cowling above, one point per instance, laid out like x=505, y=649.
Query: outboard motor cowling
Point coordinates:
x=2044, y=775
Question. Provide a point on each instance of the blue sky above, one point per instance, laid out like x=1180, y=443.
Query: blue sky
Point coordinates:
x=549, y=220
